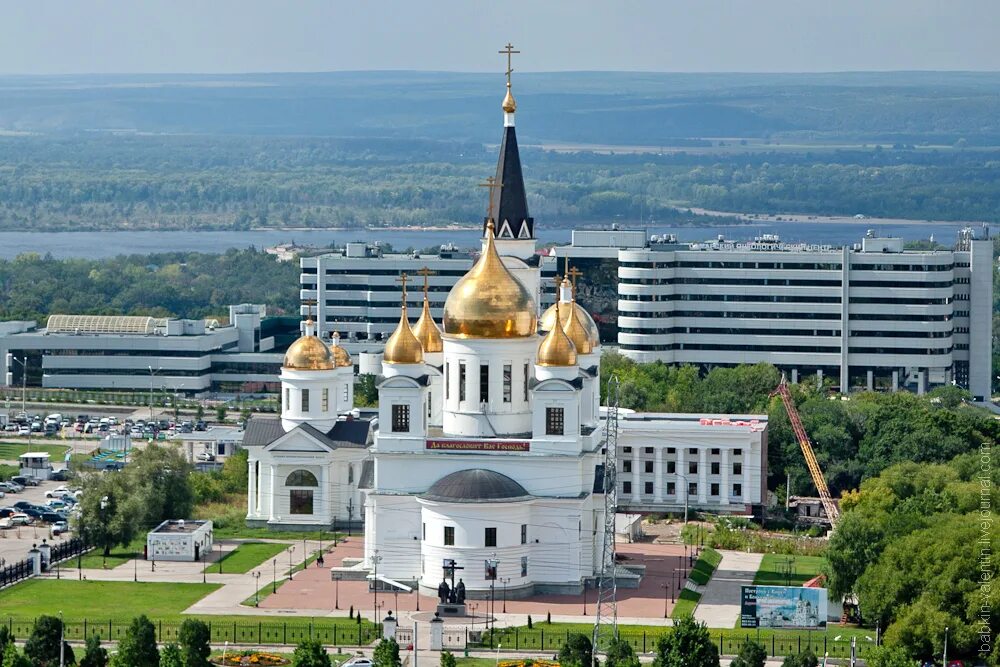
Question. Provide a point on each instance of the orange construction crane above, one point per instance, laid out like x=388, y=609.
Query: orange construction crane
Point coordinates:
x=830, y=507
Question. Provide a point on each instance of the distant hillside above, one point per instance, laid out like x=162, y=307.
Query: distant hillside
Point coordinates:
x=576, y=107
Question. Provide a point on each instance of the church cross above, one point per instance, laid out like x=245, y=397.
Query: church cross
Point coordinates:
x=402, y=279
x=493, y=185
x=426, y=272
x=309, y=303
x=573, y=274
x=509, y=50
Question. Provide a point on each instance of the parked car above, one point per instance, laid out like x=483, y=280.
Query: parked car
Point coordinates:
x=21, y=505
x=359, y=661
x=24, y=430
x=57, y=504
x=10, y=428
x=206, y=456
x=7, y=511
x=60, y=475
x=34, y=512
x=60, y=527
x=24, y=480
x=200, y=425
x=53, y=517
x=20, y=519
x=57, y=492
x=9, y=487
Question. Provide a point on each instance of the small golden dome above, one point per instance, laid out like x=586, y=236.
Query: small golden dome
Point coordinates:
x=427, y=331
x=402, y=346
x=576, y=331
x=509, y=105
x=308, y=353
x=556, y=349
x=341, y=357
x=548, y=319
x=488, y=301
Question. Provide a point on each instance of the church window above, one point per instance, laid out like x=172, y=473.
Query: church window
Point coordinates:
x=300, y=501
x=714, y=488
x=506, y=383
x=738, y=452
x=288, y=402
x=671, y=467
x=648, y=466
x=626, y=487
x=423, y=534
x=305, y=400
x=400, y=418
x=692, y=451
x=524, y=533
x=350, y=474
x=671, y=488
x=447, y=381
x=692, y=488
x=484, y=383
x=626, y=466
x=430, y=402
x=301, y=478
x=627, y=450
x=326, y=399
x=524, y=566
x=554, y=421
x=526, y=382
x=737, y=468
x=491, y=537
x=461, y=381
x=449, y=536
x=715, y=452
x=738, y=490
x=715, y=467
x=649, y=450
x=692, y=468
x=648, y=490
x=345, y=394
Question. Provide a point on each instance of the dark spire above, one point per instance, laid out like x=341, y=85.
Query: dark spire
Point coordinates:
x=509, y=211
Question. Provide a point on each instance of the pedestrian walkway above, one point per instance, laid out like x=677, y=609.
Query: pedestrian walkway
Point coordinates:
x=720, y=601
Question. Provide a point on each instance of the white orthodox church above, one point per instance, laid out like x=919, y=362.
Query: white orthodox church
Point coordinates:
x=487, y=443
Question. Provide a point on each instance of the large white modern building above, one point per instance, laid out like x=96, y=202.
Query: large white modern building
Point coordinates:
x=143, y=353
x=869, y=316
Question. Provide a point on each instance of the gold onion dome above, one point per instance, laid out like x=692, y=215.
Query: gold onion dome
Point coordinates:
x=427, y=331
x=488, y=301
x=341, y=357
x=556, y=349
x=580, y=315
x=576, y=331
x=309, y=353
x=509, y=105
x=402, y=346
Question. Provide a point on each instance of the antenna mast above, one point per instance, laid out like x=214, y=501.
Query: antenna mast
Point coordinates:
x=606, y=625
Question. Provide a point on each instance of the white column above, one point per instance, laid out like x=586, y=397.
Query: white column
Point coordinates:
x=702, y=475
x=272, y=487
x=635, y=475
x=679, y=482
x=746, y=474
x=895, y=381
x=921, y=382
x=658, y=474
x=252, y=487
x=819, y=378
x=795, y=376
x=724, y=469
x=871, y=380
x=326, y=502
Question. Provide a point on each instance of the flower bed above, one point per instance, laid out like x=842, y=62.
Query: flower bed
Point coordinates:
x=528, y=662
x=255, y=658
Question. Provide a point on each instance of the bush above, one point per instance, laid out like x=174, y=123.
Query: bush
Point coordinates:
x=529, y=622
x=386, y=654
x=689, y=645
x=620, y=654
x=171, y=657
x=448, y=660
x=805, y=659
x=138, y=647
x=42, y=647
x=94, y=654
x=576, y=652
x=752, y=654
x=195, y=639
x=310, y=653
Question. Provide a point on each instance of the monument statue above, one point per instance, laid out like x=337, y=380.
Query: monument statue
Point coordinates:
x=443, y=591
x=460, y=592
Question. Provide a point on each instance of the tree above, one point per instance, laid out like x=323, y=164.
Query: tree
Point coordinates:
x=195, y=643
x=199, y=414
x=220, y=413
x=620, y=654
x=94, y=654
x=689, y=645
x=13, y=658
x=138, y=647
x=310, y=653
x=42, y=647
x=448, y=659
x=805, y=659
x=386, y=654
x=171, y=656
x=889, y=656
x=577, y=651
x=6, y=638
x=751, y=654
x=109, y=509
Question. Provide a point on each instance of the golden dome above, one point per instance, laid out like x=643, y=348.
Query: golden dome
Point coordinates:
x=402, y=346
x=341, y=357
x=488, y=301
x=308, y=353
x=548, y=319
x=427, y=331
x=556, y=349
x=576, y=331
x=509, y=105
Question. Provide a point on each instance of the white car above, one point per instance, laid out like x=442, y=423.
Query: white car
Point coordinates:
x=58, y=492
x=358, y=662
x=24, y=430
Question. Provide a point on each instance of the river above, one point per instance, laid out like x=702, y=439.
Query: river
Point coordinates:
x=110, y=244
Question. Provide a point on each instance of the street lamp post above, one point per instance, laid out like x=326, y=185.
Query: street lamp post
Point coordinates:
x=507, y=580
x=376, y=559
x=666, y=588
x=584, y=597
x=274, y=576
x=944, y=657
x=256, y=588
x=336, y=577
x=290, y=571
x=105, y=501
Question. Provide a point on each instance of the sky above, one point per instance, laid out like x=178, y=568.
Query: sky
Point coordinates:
x=227, y=36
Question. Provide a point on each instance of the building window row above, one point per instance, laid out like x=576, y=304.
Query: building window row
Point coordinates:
x=714, y=489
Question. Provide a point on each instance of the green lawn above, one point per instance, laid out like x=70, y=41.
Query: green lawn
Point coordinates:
x=705, y=566
x=686, y=602
x=247, y=556
x=118, y=556
x=778, y=570
x=10, y=451
x=246, y=533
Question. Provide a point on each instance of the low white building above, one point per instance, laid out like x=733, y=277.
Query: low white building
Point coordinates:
x=180, y=540
x=36, y=465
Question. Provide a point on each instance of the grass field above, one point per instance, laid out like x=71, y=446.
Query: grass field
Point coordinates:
x=778, y=570
x=10, y=451
x=686, y=602
x=247, y=556
x=105, y=608
x=705, y=566
x=118, y=555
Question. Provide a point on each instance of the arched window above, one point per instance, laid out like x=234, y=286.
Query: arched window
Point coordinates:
x=301, y=478
x=350, y=474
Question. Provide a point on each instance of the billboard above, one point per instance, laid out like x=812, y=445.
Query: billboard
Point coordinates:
x=783, y=607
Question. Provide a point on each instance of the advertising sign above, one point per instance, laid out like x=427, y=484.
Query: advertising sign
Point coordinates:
x=783, y=607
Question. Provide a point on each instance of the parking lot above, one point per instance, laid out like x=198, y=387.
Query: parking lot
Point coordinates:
x=16, y=542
